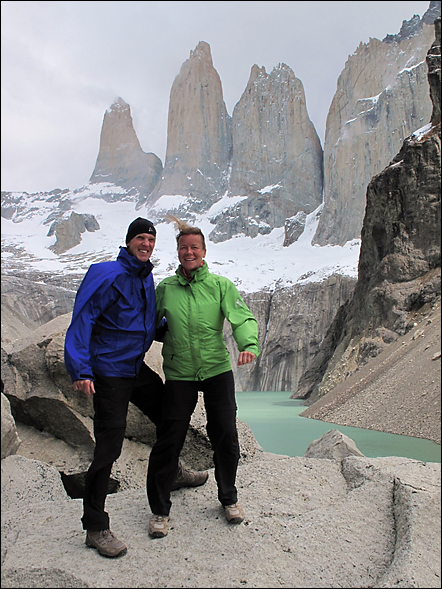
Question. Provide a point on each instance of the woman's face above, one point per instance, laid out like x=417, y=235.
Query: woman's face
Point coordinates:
x=191, y=252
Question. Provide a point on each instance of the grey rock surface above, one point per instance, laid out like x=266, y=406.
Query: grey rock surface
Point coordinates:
x=279, y=168
x=68, y=231
x=199, y=135
x=309, y=522
x=292, y=322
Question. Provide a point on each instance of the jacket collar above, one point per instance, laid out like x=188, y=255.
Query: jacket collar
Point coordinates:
x=134, y=266
x=197, y=276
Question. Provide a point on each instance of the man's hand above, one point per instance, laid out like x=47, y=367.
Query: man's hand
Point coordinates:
x=245, y=358
x=87, y=386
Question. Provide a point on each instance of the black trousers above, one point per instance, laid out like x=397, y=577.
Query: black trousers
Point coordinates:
x=180, y=398
x=111, y=402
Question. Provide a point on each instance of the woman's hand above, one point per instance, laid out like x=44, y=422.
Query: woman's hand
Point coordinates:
x=87, y=386
x=245, y=358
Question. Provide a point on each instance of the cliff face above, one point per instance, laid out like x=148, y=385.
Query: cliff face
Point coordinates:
x=381, y=98
x=288, y=346
x=399, y=264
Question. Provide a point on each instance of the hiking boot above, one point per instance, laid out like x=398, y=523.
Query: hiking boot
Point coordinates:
x=234, y=513
x=189, y=478
x=158, y=526
x=105, y=542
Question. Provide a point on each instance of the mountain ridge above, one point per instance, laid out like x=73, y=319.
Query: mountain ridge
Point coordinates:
x=264, y=201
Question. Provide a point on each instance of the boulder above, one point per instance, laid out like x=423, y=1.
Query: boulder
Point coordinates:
x=10, y=440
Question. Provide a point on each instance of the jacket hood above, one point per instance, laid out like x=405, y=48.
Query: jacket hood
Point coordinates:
x=133, y=265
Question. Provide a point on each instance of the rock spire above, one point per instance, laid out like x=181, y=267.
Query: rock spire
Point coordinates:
x=276, y=159
x=120, y=159
x=199, y=136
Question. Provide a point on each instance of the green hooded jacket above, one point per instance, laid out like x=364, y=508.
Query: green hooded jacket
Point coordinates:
x=194, y=346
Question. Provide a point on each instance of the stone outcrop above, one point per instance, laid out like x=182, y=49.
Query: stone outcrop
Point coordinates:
x=68, y=232
x=10, y=440
x=293, y=228
x=30, y=300
x=333, y=445
x=381, y=98
x=199, y=135
x=399, y=264
x=434, y=75
x=121, y=160
x=310, y=522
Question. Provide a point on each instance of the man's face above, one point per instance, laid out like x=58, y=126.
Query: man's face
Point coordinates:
x=191, y=252
x=141, y=246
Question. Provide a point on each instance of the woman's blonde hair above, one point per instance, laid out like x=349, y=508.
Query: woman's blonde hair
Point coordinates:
x=185, y=229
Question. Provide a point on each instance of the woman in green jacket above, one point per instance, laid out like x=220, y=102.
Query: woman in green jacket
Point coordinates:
x=195, y=303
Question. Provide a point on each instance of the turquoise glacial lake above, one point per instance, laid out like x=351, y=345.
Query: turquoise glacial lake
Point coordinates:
x=276, y=424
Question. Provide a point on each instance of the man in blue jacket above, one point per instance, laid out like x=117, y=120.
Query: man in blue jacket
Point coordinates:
x=112, y=327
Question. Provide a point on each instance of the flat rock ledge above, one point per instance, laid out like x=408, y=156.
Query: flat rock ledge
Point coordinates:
x=310, y=522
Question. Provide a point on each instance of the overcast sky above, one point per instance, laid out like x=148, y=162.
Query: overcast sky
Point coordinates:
x=64, y=63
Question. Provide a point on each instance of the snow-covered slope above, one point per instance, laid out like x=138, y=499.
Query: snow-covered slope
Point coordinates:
x=253, y=264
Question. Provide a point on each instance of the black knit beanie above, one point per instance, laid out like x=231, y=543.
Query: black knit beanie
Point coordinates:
x=138, y=226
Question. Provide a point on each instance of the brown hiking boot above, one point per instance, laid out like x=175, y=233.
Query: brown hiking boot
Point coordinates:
x=234, y=513
x=106, y=543
x=189, y=478
x=158, y=526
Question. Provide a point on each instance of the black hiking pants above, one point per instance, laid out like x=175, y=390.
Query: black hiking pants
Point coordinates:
x=180, y=398
x=111, y=402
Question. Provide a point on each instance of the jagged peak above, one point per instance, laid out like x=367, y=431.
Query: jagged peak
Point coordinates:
x=201, y=51
x=118, y=104
x=282, y=70
x=413, y=27
x=257, y=72
x=282, y=67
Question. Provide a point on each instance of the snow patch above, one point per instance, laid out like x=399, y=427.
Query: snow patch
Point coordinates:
x=268, y=189
x=422, y=132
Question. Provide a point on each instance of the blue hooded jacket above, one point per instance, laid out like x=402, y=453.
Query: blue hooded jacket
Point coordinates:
x=113, y=321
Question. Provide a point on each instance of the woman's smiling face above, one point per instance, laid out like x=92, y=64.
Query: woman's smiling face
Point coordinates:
x=191, y=252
